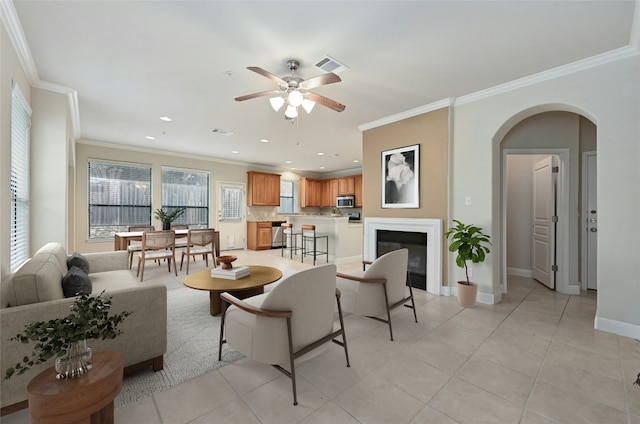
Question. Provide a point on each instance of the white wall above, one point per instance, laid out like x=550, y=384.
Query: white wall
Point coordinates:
x=609, y=95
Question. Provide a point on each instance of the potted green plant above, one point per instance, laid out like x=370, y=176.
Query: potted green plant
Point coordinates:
x=471, y=245
x=168, y=218
x=65, y=338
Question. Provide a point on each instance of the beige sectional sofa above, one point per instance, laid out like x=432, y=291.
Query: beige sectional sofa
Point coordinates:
x=34, y=293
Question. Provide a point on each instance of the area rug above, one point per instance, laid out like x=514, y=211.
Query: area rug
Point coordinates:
x=192, y=347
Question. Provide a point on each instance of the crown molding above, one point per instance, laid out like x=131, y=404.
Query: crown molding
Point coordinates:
x=408, y=114
x=19, y=42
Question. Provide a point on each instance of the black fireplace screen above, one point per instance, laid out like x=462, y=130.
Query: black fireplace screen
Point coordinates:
x=416, y=243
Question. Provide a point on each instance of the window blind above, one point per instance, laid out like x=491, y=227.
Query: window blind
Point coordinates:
x=119, y=197
x=20, y=125
x=231, y=208
x=188, y=189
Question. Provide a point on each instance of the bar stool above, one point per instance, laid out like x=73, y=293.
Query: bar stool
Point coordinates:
x=309, y=235
x=290, y=239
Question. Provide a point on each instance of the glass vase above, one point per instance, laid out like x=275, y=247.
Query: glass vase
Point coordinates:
x=76, y=362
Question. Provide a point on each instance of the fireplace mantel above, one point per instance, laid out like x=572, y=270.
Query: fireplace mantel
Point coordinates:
x=433, y=229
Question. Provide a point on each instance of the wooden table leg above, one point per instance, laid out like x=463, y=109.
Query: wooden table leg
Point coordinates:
x=215, y=303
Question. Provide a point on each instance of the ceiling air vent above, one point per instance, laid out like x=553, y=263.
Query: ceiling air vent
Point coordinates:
x=222, y=132
x=329, y=64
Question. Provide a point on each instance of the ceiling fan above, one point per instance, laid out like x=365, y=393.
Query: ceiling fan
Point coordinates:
x=295, y=91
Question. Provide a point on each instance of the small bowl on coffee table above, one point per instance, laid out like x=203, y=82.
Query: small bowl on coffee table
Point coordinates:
x=226, y=261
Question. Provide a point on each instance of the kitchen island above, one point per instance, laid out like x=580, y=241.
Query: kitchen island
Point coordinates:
x=345, y=238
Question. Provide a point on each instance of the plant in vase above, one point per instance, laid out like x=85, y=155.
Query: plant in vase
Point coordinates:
x=471, y=245
x=168, y=218
x=65, y=338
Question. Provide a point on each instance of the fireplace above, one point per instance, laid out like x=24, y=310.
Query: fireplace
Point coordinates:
x=416, y=243
x=423, y=238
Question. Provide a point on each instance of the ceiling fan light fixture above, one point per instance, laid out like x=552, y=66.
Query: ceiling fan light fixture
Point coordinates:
x=308, y=105
x=276, y=103
x=295, y=98
x=291, y=112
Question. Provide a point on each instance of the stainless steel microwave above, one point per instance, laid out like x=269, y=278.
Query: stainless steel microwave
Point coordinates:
x=346, y=201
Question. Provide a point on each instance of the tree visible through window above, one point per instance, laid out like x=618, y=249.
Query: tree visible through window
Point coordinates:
x=119, y=197
x=188, y=189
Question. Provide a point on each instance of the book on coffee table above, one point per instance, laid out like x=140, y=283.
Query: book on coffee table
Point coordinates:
x=234, y=273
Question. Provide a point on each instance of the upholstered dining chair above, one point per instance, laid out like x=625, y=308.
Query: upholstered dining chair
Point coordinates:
x=286, y=324
x=136, y=246
x=378, y=289
x=200, y=241
x=157, y=245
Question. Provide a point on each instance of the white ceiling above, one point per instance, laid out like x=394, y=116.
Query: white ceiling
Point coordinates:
x=133, y=62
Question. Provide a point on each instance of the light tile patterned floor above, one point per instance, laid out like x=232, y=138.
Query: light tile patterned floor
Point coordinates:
x=533, y=358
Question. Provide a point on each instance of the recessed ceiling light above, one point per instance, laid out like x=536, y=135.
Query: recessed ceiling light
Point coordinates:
x=235, y=151
x=166, y=119
x=356, y=161
x=150, y=137
x=288, y=161
x=322, y=167
x=320, y=154
x=264, y=140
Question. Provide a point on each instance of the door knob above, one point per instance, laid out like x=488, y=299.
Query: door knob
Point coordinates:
x=593, y=220
x=593, y=230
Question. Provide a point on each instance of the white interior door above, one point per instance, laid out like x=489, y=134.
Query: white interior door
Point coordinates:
x=591, y=215
x=232, y=222
x=544, y=217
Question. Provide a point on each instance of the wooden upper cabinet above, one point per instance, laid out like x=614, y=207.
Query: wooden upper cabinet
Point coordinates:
x=329, y=193
x=263, y=189
x=347, y=185
x=358, y=190
x=311, y=194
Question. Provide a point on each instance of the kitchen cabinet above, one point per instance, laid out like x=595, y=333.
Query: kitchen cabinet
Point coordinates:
x=263, y=189
x=347, y=185
x=310, y=193
x=259, y=235
x=358, y=190
x=329, y=192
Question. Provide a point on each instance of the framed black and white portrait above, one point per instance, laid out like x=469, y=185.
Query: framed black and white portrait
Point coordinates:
x=400, y=177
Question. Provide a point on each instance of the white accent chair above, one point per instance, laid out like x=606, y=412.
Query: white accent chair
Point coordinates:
x=379, y=288
x=294, y=318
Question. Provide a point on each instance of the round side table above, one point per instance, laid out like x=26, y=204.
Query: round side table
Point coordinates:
x=86, y=399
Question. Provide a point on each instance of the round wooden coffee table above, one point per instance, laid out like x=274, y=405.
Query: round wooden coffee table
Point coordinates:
x=242, y=288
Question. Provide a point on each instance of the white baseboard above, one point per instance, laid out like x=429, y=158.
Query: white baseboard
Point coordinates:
x=519, y=272
x=486, y=298
x=617, y=327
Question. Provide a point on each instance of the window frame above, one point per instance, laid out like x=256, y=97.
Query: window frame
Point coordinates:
x=184, y=217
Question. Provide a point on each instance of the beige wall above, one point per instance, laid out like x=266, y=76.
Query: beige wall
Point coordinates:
x=430, y=131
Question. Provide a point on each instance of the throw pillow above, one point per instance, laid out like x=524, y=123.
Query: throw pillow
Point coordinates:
x=78, y=260
x=76, y=282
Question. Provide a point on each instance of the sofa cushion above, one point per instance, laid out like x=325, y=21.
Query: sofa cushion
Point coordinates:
x=38, y=280
x=76, y=282
x=57, y=252
x=78, y=260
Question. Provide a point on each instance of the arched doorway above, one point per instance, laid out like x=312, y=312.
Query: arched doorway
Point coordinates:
x=532, y=135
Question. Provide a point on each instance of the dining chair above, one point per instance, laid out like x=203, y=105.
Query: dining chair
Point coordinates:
x=288, y=323
x=181, y=242
x=134, y=245
x=378, y=289
x=157, y=245
x=200, y=241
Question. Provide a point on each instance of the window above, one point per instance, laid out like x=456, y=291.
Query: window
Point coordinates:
x=20, y=124
x=288, y=197
x=119, y=196
x=231, y=208
x=189, y=189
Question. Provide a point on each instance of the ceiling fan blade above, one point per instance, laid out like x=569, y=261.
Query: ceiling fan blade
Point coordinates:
x=267, y=74
x=314, y=82
x=332, y=104
x=259, y=94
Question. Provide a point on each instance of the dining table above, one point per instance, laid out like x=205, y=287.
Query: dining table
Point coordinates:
x=121, y=240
